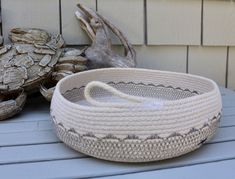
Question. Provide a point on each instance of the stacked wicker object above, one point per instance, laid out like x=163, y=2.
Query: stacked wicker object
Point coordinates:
x=135, y=115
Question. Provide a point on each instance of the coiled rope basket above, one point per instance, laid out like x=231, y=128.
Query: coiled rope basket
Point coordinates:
x=135, y=115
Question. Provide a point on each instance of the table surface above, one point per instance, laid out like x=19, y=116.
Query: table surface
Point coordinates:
x=30, y=149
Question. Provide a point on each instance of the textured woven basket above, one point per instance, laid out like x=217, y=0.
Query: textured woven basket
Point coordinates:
x=135, y=115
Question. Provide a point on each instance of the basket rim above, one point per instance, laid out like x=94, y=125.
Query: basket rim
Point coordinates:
x=94, y=108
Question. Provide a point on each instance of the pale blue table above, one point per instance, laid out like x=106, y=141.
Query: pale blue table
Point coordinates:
x=29, y=149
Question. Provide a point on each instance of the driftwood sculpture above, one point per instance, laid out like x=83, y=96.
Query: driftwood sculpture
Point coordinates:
x=37, y=60
x=100, y=54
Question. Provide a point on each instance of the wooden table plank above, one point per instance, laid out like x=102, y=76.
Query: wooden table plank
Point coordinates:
x=226, y=91
x=28, y=138
x=25, y=126
x=36, y=153
x=223, y=135
x=228, y=102
x=59, y=151
x=18, y=127
x=215, y=170
x=90, y=167
x=227, y=121
x=229, y=111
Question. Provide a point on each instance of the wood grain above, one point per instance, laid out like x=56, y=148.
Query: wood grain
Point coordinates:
x=90, y=167
x=218, y=23
x=209, y=62
x=172, y=58
x=71, y=30
x=175, y=22
x=215, y=170
x=128, y=16
x=42, y=14
x=231, y=68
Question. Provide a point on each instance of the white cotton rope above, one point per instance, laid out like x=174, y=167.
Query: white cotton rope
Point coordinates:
x=135, y=115
x=134, y=101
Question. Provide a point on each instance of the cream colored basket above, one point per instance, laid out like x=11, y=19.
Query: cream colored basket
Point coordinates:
x=135, y=115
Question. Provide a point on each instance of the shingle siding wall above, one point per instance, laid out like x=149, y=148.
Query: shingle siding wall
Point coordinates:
x=194, y=36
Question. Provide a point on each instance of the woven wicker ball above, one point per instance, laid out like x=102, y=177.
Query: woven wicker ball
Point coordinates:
x=135, y=115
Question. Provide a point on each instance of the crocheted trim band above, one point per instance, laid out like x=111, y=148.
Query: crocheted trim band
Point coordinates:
x=215, y=119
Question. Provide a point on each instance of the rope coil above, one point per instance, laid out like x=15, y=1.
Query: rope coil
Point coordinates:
x=132, y=101
x=135, y=115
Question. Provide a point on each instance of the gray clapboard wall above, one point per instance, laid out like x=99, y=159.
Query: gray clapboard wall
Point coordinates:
x=194, y=36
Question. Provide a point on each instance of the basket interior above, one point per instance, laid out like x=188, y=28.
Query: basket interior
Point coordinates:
x=157, y=92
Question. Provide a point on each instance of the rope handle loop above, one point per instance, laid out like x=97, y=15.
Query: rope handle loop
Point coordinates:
x=133, y=101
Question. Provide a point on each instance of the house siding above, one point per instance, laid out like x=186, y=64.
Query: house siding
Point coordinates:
x=194, y=36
